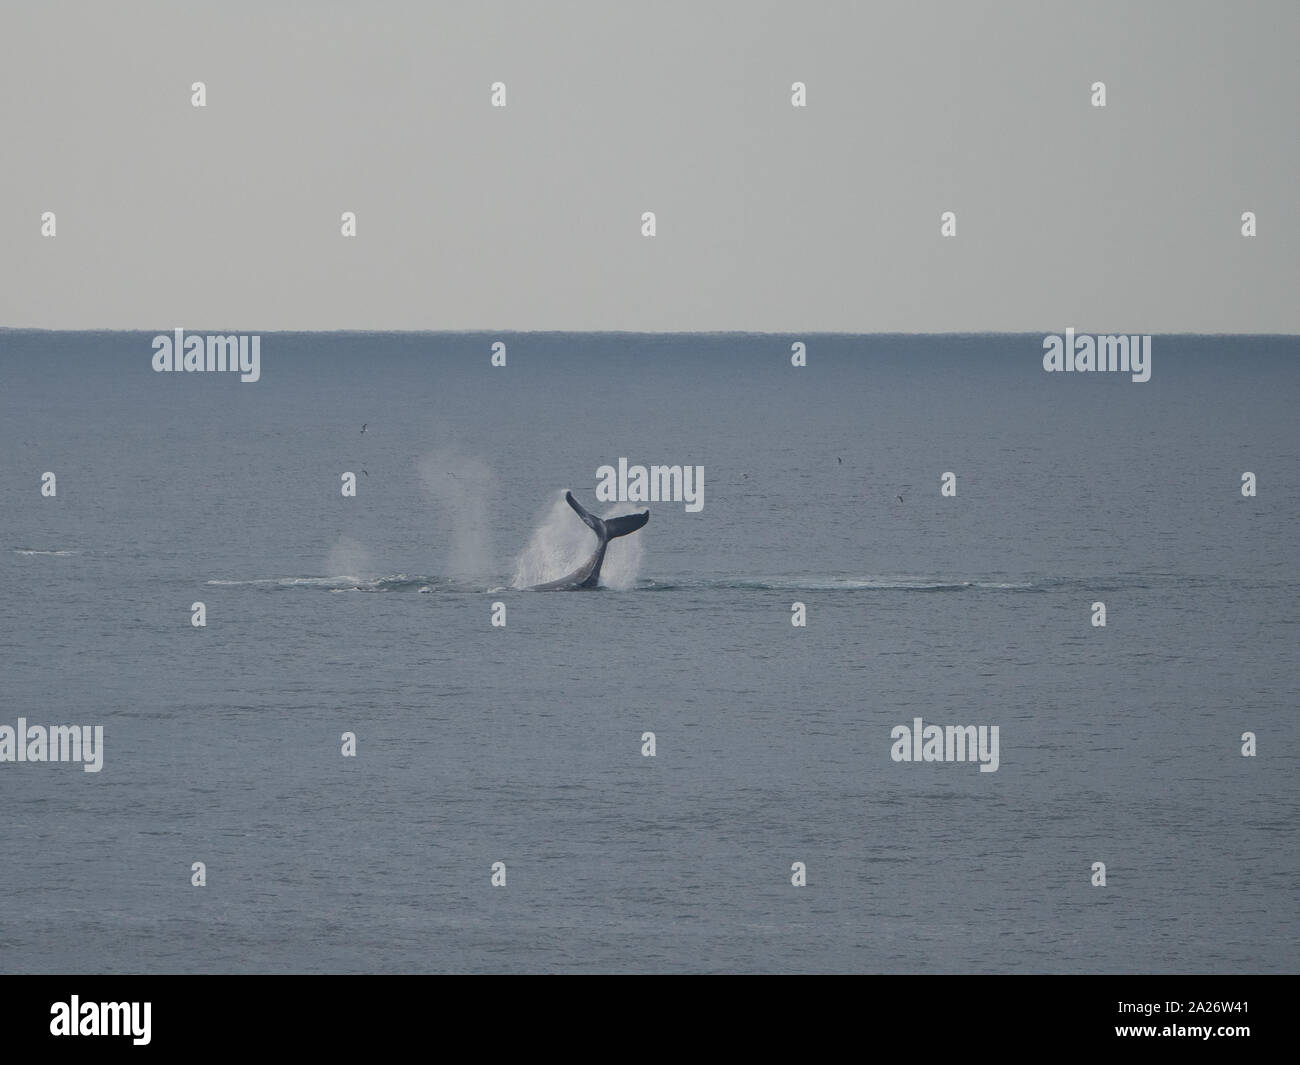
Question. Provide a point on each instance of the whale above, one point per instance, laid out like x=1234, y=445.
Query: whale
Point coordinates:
x=606, y=529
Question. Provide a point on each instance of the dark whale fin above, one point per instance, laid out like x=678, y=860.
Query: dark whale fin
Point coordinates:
x=626, y=523
x=608, y=528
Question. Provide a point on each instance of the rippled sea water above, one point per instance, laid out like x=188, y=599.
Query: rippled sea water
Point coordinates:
x=522, y=744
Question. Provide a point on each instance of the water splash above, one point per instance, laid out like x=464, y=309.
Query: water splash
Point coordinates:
x=349, y=559
x=463, y=489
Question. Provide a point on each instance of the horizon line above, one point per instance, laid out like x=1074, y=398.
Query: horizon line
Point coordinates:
x=646, y=332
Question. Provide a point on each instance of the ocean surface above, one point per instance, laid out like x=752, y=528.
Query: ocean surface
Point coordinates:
x=522, y=744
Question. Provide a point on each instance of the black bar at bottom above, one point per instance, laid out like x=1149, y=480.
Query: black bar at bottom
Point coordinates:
x=347, y=1014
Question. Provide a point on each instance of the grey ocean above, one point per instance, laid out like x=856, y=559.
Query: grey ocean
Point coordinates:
x=479, y=744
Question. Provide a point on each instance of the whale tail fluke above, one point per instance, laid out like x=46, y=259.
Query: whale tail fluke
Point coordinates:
x=608, y=528
x=625, y=523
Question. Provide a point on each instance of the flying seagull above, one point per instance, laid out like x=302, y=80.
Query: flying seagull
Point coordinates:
x=363, y=426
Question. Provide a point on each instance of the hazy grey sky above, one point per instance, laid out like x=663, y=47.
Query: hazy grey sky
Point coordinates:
x=770, y=218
